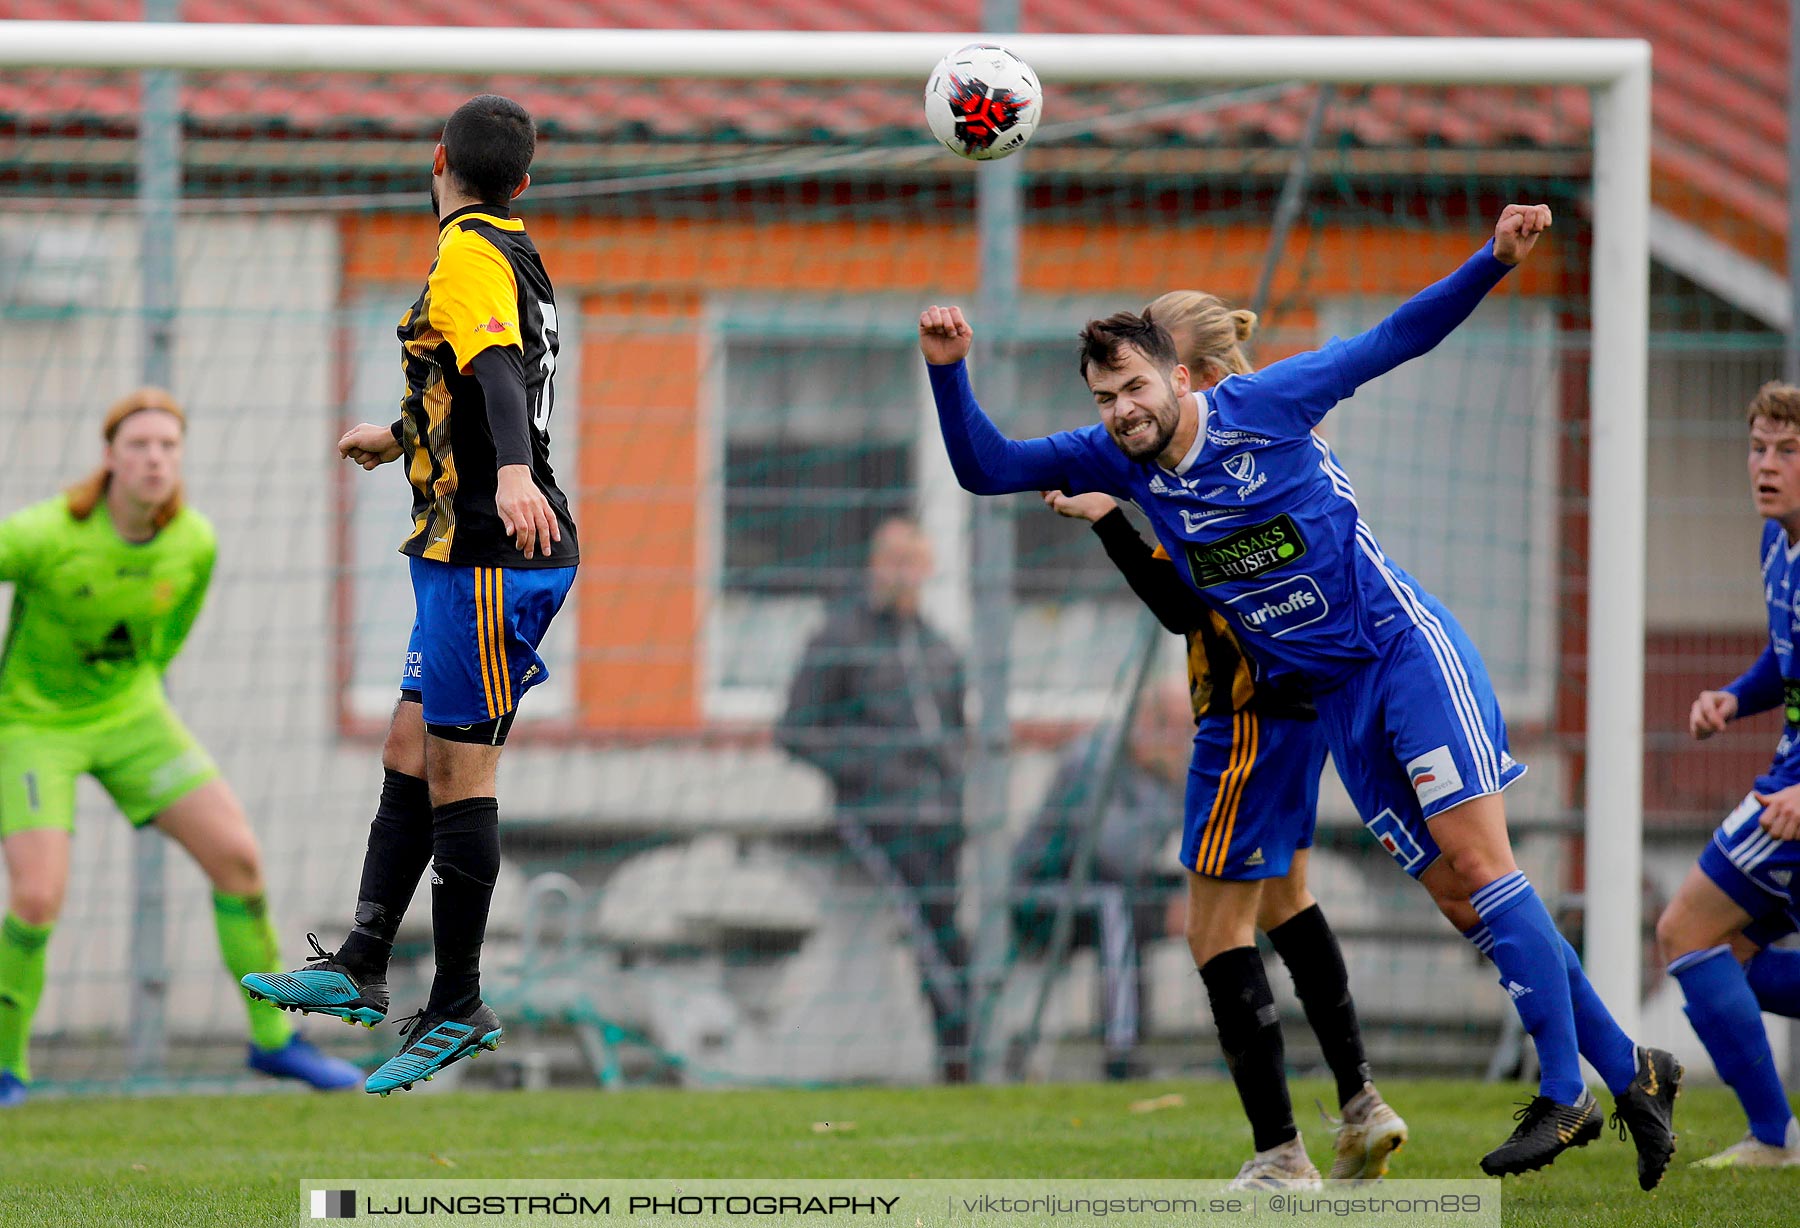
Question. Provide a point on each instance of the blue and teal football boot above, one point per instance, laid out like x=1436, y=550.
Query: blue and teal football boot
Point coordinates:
x=434, y=1042
x=323, y=987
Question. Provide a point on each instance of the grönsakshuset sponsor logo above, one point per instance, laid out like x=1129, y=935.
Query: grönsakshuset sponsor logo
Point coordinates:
x=1246, y=554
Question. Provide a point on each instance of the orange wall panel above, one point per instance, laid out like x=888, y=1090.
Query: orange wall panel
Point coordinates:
x=640, y=482
x=642, y=285
x=686, y=256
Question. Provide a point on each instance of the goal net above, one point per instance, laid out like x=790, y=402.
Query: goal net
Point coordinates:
x=741, y=230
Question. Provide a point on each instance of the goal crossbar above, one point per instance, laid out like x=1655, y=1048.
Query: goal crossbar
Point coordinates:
x=812, y=54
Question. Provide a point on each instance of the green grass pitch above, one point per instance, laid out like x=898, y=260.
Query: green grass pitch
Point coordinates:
x=234, y=1160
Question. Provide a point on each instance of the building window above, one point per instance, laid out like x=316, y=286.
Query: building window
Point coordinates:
x=816, y=447
x=823, y=426
x=1075, y=620
x=1055, y=559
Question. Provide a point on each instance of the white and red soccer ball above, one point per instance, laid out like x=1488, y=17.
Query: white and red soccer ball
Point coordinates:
x=983, y=102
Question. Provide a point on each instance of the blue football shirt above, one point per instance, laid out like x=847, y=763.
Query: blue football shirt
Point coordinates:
x=1259, y=516
x=1774, y=680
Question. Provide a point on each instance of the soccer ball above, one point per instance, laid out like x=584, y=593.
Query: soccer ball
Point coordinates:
x=983, y=102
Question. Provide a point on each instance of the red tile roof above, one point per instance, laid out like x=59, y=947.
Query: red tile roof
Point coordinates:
x=1720, y=76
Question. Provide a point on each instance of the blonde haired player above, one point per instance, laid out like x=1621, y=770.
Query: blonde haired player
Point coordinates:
x=108, y=578
x=1252, y=802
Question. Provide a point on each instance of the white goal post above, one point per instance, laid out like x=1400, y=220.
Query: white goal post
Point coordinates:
x=1616, y=72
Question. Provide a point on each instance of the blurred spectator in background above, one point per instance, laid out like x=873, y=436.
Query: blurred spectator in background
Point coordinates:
x=877, y=706
x=1134, y=891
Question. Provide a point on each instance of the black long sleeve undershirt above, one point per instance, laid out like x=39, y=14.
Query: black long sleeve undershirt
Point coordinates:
x=500, y=369
x=1154, y=580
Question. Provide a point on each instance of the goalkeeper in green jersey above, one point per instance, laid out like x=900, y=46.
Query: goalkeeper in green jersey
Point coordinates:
x=108, y=578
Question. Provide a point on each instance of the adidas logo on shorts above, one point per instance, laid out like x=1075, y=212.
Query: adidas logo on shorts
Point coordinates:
x=1515, y=991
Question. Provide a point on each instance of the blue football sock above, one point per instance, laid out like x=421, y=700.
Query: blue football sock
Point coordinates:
x=1726, y=1018
x=1601, y=1040
x=1597, y=1034
x=1528, y=952
x=1481, y=938
x=1774, y=975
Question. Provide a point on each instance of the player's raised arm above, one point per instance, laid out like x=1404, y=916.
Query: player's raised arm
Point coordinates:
x=1298, y=392
x=1429, y=316
x=985, y=461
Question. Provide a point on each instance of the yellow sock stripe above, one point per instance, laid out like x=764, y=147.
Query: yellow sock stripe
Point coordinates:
x=499, y=625
x=1211, y=831
x=481, y=641
x=1237, y=799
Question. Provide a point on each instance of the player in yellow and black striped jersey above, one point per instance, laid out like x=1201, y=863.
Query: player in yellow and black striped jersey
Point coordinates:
x=492, y=554
x=1222, y=678
x=486, y=319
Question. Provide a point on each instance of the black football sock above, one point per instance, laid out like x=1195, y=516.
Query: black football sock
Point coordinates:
x=1309, y=948
x=399, y=848
x=1249, y=1026
x=465, y=861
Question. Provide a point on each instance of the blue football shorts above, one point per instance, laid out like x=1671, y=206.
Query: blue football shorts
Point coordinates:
x=1252, y=795
x=1755, y=869
x=1416, y=732
x=476, y=630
